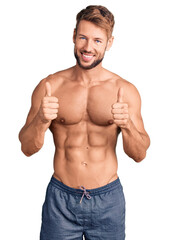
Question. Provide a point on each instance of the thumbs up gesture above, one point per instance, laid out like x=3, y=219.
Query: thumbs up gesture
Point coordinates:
x=49, y=105
x=120, y=110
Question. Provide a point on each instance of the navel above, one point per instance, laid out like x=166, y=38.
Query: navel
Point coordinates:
x=84, y=164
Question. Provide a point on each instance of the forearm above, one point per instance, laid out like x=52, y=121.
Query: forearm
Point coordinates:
x=135, y=144
x=32, y=136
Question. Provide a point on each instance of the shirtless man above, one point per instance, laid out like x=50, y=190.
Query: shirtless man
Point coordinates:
x=86, y=107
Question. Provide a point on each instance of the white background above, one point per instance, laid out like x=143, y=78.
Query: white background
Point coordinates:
x=36, y=40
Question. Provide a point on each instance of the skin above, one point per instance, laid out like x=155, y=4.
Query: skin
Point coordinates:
x=86, y=109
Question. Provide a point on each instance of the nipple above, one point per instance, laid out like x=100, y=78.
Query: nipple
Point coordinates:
x=62, y=120
x=110, y=121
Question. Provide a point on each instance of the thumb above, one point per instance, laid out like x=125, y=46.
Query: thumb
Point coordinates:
x=48, y=89
x=120, y=95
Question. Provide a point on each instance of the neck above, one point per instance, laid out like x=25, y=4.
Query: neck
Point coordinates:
x=88, y=75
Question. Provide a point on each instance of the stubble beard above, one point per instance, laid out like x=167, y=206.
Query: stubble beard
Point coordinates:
x=93, y=65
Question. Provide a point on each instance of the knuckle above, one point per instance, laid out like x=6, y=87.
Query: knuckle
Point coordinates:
x=46, y=117
x=54, y=116
x=55, y=99
x=115, y=111
x=114, y=105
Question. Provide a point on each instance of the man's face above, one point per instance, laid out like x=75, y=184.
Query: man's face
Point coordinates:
x=90, y=44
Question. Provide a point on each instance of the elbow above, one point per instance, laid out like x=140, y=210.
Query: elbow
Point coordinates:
x=26, y=152
x=140, y=157
x=29, y=148
x=23, y=147
x=137, y=156
x=29, y=152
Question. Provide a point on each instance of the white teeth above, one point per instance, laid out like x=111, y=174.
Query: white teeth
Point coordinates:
x=87, y=56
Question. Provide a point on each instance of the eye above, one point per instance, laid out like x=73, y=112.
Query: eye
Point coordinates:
x=82, y=38
x=98, y=41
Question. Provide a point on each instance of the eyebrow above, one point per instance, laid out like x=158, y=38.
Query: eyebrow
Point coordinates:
x=81, y=35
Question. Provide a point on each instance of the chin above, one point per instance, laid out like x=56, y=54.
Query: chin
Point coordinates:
x=91, y=65
x=87, y=66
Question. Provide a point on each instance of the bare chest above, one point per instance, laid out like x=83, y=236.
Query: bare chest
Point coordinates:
x=78, y=103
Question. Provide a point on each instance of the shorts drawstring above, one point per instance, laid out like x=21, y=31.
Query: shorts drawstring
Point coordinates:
x=84, y=193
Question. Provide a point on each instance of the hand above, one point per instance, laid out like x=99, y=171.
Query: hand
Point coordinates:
x=49, y=106
x=120, y=111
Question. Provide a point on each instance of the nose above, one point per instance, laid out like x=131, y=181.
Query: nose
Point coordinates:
x=88, y=46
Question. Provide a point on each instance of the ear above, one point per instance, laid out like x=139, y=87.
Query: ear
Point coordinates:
x=109, y=43
x=74, y=35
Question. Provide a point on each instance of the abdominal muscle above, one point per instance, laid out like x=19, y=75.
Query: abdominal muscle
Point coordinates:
x=82, y=159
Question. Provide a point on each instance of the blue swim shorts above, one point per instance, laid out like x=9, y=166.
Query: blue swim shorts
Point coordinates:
x=97, y=214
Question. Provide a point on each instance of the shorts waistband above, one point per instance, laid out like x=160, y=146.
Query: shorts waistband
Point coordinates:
x=95, y=191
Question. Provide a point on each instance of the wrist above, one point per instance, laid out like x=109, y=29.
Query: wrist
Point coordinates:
x=128, y=126
x=40, y=124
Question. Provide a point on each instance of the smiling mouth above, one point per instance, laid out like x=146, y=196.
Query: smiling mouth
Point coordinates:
x=87, y=57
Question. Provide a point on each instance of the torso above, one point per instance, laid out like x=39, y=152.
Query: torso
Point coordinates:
x=84, y=133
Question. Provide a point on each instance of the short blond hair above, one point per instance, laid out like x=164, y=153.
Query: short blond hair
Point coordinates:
x=98, y=15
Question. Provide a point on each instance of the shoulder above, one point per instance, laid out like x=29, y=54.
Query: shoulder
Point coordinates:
x=131, y=94
x=130, y=91
x=129, y=87
x=55, y=80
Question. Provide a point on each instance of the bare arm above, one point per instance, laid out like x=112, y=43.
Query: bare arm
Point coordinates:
x=128, y=117
x=43, y=110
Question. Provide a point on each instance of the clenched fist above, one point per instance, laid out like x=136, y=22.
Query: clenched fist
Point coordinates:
x=120, y=111
x=49, y=106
